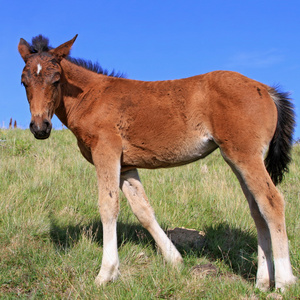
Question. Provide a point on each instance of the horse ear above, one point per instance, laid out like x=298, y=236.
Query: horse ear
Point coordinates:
x=63, y=50
x=24, y=49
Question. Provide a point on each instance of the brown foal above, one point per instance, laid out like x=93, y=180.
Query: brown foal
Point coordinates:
x=123, y=124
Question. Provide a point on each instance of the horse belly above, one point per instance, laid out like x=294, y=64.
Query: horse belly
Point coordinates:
x=166, y=154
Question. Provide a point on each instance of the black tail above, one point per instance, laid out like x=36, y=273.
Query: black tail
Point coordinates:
x=279, y=155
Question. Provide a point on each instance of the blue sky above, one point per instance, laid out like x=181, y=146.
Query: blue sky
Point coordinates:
x=156, y=40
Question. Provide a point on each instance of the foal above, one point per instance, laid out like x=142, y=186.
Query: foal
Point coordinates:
x=123, y=124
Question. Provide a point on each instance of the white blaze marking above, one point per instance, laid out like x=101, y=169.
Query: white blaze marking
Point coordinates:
x=39, y=69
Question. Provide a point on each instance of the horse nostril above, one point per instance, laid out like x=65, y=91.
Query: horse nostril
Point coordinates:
x=47, y=126
x=31, y=126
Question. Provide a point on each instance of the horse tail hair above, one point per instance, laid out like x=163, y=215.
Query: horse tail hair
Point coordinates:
x=279, y=154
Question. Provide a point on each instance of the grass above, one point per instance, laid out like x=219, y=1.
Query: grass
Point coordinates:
x=51, y=232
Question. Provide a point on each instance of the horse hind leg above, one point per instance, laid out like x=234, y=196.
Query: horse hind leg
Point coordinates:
x=265, y=270
x=133, y=190
x=267, y=209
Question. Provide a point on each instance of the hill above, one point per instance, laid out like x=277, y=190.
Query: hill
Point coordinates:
x=51, y=235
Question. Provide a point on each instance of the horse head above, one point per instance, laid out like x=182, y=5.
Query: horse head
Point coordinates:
x=41, y=78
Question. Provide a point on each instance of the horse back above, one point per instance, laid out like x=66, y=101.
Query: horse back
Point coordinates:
x=169, y=123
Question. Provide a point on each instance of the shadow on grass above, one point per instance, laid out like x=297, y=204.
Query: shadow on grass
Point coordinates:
x=234, y=247
x=231, y=246
x=64, y=236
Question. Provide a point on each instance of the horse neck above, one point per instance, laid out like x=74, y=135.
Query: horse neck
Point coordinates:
x=76, y=81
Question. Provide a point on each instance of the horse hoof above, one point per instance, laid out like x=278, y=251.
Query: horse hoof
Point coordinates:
x=102, y=280
x=282, y=285
x=263, y=285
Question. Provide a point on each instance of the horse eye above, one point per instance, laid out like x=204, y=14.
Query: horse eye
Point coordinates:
x=56, y=79
x=24, y=80
x=56, y=83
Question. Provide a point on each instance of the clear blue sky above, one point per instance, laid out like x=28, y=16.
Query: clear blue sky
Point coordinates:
x=156, y=40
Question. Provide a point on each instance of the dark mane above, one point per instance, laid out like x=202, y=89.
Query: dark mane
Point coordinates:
x=94, y=67
x=40, y=44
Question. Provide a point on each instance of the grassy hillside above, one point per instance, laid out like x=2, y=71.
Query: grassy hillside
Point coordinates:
x=51, y=235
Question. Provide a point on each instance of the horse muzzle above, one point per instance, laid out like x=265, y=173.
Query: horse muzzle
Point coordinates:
x=40, y=127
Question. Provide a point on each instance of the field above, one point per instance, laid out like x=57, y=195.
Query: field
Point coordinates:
x=51, y=234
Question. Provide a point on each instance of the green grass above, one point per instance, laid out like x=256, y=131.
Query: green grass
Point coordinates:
x=51, y=233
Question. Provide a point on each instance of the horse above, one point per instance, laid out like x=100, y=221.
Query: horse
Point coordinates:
x=123, y=124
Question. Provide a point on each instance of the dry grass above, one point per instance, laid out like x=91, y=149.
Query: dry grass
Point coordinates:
x=51, y=234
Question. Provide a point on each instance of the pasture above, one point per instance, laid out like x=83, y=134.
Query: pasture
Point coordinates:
x=51, y=234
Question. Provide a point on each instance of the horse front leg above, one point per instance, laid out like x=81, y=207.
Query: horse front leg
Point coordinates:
x=133, y=190
x=109, y=209
x=107, y=164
